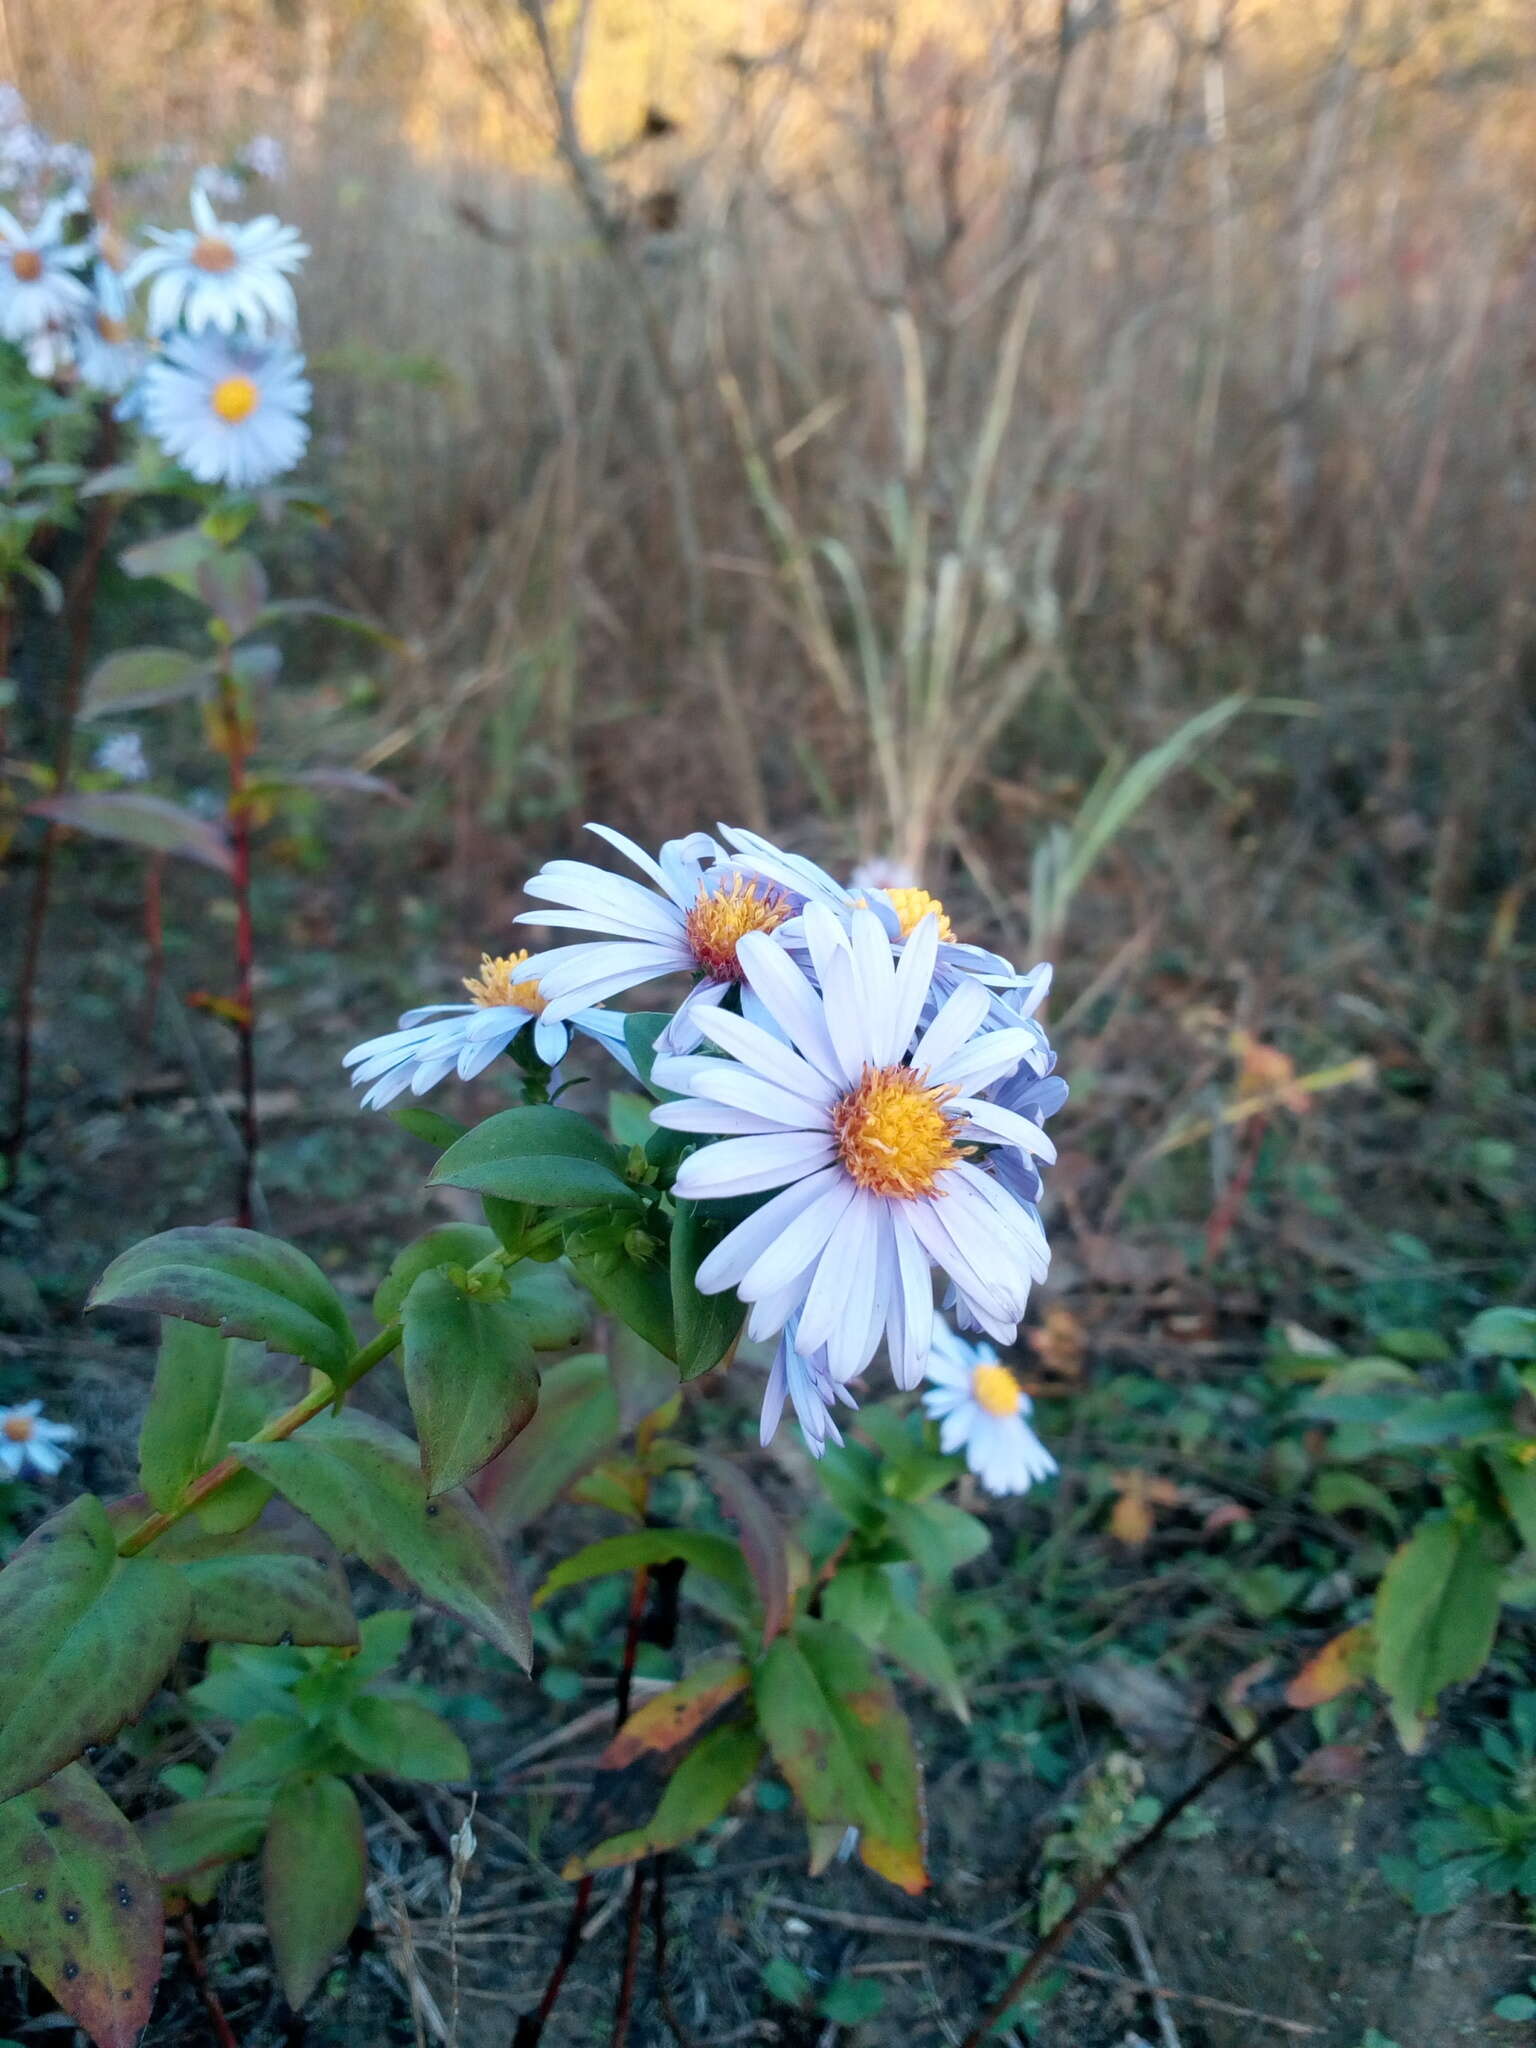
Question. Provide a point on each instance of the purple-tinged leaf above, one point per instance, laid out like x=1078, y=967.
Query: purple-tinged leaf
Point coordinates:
x=762, y=1537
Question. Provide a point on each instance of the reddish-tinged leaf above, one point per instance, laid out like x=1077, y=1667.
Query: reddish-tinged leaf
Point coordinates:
x=762, y=1537
x=279, y=1582
x=833, y=1724
x=669, y=1719
x=314, y=1870
x=698, y=1792
x=80, y=1902
x=576, y=1427
x=148, y=823
x=88, y=1637
x=470, y=1375
x=1338, y=1667
x=1337, y=1763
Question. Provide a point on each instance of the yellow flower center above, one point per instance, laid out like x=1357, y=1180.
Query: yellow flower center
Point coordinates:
x=994, y=1388
x=893, y=1134
x=235, y=399
x=722, y=915
x=110, y=329
x=19, y=1429
x=213, y=253
x=497, y=987
x=27, y=265
x=913, y=905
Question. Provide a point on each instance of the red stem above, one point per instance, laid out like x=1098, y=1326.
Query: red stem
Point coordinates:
x=239, y=816
x=1225, y=1214
x=223, y=2032
x=81, y=607
x=624, y=2004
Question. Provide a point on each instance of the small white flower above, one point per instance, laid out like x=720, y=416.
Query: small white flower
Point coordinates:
x=219, y=186
x=881, y=873
x=464, y=1038
x=982, y=1410
x=38, y=286
x=29, y=1441
x=230, y=412
x=109, y=356
x=122, y=754
x=221, y=274
x=264, y=157
x=690, y=922
x=865, y=1124
x=809, y=1386
x=49, y=352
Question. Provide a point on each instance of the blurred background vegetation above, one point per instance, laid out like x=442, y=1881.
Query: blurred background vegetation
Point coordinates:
x=1082, y=449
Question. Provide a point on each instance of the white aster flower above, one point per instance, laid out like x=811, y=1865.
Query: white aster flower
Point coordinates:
x=38, y=286
x=464, y=1038
x=882, y=873
x=28, y=1440
x=230, y=412
x=220, y=187
x=108, y=355
x=982, y=1410
x=866, y=1124
x=690, y=922
x=49, y=352
x=264, y=157
x=221, y=274
x=808, y=1384
x=122, y=754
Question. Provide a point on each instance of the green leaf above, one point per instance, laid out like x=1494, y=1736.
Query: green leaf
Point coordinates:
x=470, y=1375
x=784, y=1980
x=576, y=1427
x=700, y=1790
x=314, y=1870
x=428, y=1124
x=852, y=2000
x=265, y=1751
x=210, y=1392
x=1501, y=1333
x=263, y=1585
x=80, y=1902
x=140, y=677
x=629, y=1119
x=545, y=1155
x=706, y=1326
x=642, y=1028
x=149, y=824
x=639, y=1295
x=713, y=1555
x=233, y=585
x=402, y=1739
x=1516, y=1481
x=451, y=1244
x=1519, y=2005
x=1335, y=1492
x=1436, y=1610
x=240, y=1282
x=361, y=1482
x=859, y=1599
x=386, y=1638
x=912, y=1641
x=836, y=1732
x=174, y=557
x=89, y=1637
x=554, y=1310
x=762, y=1537
x=203, y=1834
x=937, y=1536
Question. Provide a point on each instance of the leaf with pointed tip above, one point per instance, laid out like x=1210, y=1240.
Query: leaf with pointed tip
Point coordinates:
x=241, y=1283
x=88, y=1636
x=204, y=1834
x=713, y=1555
x=668, y=1719
x=81, y=1904
x=140, y=677
x=911, y=1640
x=269, y=1584
x=233, y=585
x=149, y=824
x=314, y=1870
x=401, y=1738
x=837, y=1733
x=543, y=1154
x=174, y=557
x=210, y=1391
x=470, y=1376
x=451, y=1244
x=762, y=1537
x=361, y=1482
x=700, y=1789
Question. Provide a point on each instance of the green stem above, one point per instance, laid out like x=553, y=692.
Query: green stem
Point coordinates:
x=277, y=1431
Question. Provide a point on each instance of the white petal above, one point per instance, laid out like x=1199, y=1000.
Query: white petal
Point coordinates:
x=798, y=1244
x=734, y=1254
x=766, y=1056
x=788, y=996
x=914, y=981
x=985, y=1059
x=748, y=1166
x=992, y=1120
x=958, y=1020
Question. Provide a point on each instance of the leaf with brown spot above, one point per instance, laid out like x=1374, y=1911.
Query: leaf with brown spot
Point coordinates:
x=832, y=1721
x=82, y=1905
x=697, y=1793
x=669, y=1719
x=1338, y=1667
x=762, y=1537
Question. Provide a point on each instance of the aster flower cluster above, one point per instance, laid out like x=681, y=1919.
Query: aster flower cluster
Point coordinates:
x=212, y=369
x=872, y=1087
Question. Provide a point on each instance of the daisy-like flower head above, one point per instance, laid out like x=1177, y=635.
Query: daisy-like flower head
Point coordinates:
x=1034, y=1089
x=808, y=1384
x=982, y=1410
x=108, y=355
x=221, y=274
x=230, y=412
x=692, y=921
x=464, y=1038
x=29, y=1441
x=868, y=1125
x=39, y=290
